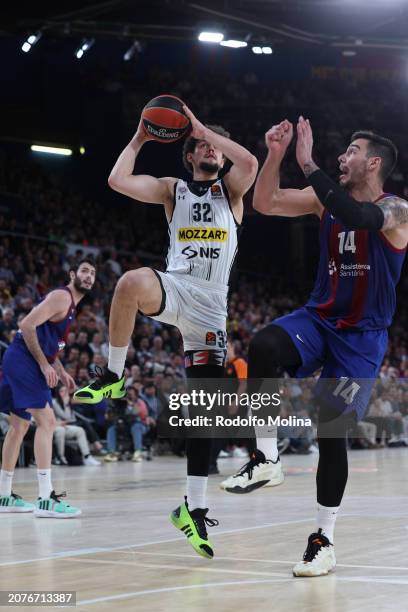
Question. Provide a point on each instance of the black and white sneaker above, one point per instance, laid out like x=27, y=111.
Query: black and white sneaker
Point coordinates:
x=258, y=472
x=319, y=558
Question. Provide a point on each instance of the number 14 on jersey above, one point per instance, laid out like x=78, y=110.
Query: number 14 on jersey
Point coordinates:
x=346, y=242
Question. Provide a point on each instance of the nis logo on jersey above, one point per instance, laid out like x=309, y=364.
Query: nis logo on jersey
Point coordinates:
x=206, y=252
x=209, y=234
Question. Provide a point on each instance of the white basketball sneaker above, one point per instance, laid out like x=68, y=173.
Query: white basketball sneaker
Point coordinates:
x=258, y=472
x=319, y=558
x=91, y=461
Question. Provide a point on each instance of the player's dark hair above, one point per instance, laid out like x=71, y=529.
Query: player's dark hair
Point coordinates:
x=190, y=144
x=378, y=146
x=75, y=266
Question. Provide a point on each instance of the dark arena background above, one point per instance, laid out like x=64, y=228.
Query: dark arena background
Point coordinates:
x=75, y=77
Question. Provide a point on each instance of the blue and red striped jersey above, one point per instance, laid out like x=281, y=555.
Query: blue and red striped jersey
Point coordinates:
x=52, y=335
x=357, y=276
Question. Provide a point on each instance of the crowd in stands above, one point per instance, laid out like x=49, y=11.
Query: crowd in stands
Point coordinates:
x=45, y=227
x=337, y=107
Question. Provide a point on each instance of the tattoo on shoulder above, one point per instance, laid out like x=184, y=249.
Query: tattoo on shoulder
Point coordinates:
x=395, y=211
x=309, y=167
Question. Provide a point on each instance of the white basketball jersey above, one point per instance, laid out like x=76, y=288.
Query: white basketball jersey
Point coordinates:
x=203, y=234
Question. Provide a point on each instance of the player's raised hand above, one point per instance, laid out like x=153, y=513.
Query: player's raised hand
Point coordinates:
x=198, y=130
x=141, y=134
x=50, y=375
x=279, y=137
x=304, y=145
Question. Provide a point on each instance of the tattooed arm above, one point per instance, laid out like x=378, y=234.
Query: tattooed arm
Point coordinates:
x=395, y=226
x=395, y=212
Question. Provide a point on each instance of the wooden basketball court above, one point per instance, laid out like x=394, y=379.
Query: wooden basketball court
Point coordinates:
x=124, y=554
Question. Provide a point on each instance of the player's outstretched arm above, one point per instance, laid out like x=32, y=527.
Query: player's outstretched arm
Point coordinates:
x=55, y=305
x=140, y=187
x=245, y=165
x=269, y=198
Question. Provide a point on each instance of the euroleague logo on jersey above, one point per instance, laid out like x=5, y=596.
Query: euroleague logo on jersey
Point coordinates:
x=216, y=191
x=205, y=252
x=210, y=339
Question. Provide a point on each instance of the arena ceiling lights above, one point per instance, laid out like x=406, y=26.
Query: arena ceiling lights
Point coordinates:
x=31, y=41
x=278, y=23
x=262, y=50
x=211, y=37
x=136, y=47
x=234, y=44
x=214, y=37
x=51, y=150
x=86, y=45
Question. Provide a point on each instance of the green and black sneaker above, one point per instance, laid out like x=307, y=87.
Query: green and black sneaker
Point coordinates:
x=107, y=385
x=193, y=525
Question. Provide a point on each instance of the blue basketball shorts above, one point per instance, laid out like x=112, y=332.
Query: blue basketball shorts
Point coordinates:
x=23, y=385
x=351, y=360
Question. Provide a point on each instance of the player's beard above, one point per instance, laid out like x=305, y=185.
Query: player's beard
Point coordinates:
x=348, y=186
x=79, y=287
x=209, y=168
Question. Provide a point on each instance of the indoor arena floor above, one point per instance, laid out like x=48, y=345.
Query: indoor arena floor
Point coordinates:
x=124, y=554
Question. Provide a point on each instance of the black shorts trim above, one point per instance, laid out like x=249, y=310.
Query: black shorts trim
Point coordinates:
x=163, y=300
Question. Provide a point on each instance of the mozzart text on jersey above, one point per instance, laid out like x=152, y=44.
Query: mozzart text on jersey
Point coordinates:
x=202, y=233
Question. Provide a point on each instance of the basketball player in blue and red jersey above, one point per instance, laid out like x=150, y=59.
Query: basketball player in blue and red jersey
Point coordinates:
x=343, y=327
x=31, y=368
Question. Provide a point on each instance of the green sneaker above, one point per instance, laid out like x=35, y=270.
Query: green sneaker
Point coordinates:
x=15, y=503
x=193, y=525
x=106, y=385
x=53, y=507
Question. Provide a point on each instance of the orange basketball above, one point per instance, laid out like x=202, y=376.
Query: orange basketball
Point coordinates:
x=164, y=119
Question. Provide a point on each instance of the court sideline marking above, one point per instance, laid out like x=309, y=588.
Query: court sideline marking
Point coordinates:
x=246, y=559
x=85, y=602
x=89, y=551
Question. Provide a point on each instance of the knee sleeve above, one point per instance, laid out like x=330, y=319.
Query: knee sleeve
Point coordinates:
x=198, y=450
x=332, y=471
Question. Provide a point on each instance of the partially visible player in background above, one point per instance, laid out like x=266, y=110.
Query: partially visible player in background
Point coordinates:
x=203, y=217
x=343, y=327
x=31, y=368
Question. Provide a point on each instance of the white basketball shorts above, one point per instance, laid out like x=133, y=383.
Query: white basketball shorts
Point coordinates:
x=197, y=307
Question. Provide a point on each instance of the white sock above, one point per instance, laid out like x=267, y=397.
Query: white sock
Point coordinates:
x=196, y=492
x=6, y=479
x=44, y=483
x=326, y=520
x=117, y=358
x=268, y=445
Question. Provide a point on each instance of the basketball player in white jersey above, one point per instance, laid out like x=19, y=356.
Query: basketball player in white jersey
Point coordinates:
x=203, y=216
